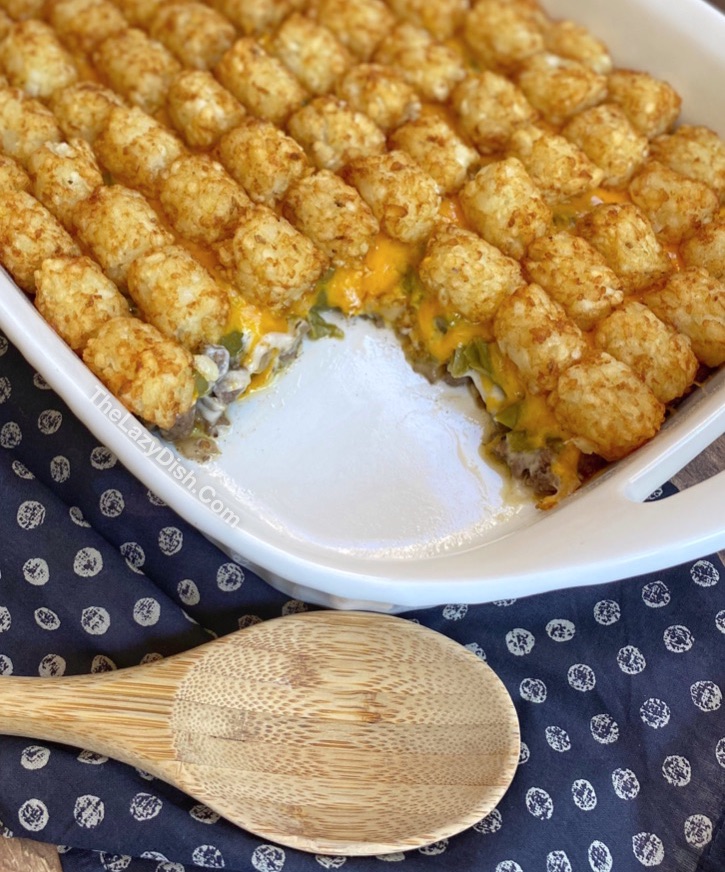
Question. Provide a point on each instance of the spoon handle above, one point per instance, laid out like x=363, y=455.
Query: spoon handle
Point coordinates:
x=124, y=715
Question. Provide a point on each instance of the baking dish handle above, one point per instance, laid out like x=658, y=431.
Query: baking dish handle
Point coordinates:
x=624, y=534
x=694, y=516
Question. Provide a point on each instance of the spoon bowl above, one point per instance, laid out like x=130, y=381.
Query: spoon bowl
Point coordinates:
x=330, y=732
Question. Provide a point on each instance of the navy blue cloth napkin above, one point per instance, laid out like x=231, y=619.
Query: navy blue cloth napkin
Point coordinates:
x=618, y=686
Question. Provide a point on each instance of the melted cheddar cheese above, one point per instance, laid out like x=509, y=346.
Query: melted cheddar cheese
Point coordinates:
x=245, y=316
x=356, y=290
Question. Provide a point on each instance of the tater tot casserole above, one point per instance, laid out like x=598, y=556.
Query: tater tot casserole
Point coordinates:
x=189, y=187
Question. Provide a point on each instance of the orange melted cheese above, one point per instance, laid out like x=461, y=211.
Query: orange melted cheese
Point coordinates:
x=256, y=322
x=244, y=315
x=441, y=331
x=384, y=271
x=356, y=289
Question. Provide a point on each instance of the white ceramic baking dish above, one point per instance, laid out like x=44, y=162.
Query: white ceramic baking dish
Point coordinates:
x=353, y=483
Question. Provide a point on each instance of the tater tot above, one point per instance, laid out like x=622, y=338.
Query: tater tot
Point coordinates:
x=82, y=109
x=33, y=59
x=150, y=374
x=606, y=408
x=535, y=333
x=200, y=200
x=559, y=88
x=12, y=176
x=706, y=248
x=434, y=145
x=576, y=275
x=651, y=104
x=118, y=224
x=270, y=261
x=693, y=302
x=502, y=35
x=136, y=149
x=28, y=234
x=675, y=205
x=606, y=135
x=333, y=134
x=332, y=214
x=82, y=24
x=557, y=167
x=505, y=207
x=531, y=8
x=201, y=109
x=76, y=298
x=432, y=68
x=467, y=273
x=569, y=39
x=195, y=34
x=261, y=83
x=6, y=22
x=662, y=358
x=381, y=93
x=490, y=107
x=138, y=67
x=253, y=17
x=19, y=10
x=178, y=296
x=360, y=26
x=403, y=197
x=695, y=151
x=441, y=18
x=311, y=52
x=25, y=124
x=63, y=174
x=263, y=159
x=139, y=13
x=625, y=238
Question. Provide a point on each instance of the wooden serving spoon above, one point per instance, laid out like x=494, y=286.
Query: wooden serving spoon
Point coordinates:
x=331, y=732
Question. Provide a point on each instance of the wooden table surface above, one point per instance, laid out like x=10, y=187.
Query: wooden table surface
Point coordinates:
x=23, y=855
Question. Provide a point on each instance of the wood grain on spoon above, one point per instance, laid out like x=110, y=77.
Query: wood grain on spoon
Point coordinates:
x=332, y=732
